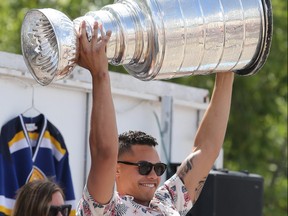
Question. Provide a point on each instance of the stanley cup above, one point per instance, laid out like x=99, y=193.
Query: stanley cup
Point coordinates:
x=155, y=39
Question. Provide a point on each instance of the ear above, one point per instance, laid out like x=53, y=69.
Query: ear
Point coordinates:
x=117, y=170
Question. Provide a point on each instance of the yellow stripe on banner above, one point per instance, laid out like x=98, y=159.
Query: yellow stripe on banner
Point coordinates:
x=54, y=142
x=5, y=210
x=20, y=135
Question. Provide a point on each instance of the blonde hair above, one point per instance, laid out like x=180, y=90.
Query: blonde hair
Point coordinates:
x=33, y=198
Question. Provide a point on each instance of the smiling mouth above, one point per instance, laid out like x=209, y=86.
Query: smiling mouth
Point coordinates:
x=148, y=185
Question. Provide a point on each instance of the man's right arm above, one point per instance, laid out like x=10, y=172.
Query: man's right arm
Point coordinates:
x=103, y=137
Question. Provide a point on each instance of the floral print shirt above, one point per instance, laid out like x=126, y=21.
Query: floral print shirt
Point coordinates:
x=170, y=199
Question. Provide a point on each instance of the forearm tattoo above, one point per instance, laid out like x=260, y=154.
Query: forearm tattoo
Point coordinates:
x=199, y=189
x=186, y=168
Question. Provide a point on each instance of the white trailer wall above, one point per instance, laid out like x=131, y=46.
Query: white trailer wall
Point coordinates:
x=67, y=105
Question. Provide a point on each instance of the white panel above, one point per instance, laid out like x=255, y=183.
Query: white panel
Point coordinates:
x=15, y=98
x=183, y=132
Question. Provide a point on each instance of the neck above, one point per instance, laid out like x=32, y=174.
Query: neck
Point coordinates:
x=140, y=202
x=144, y=203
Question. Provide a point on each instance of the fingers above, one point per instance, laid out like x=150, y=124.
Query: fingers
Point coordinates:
x=98, y=40
x=82, y=30
x=83, y=39
x=85, y=32
x=95, y=32
x=106, y=38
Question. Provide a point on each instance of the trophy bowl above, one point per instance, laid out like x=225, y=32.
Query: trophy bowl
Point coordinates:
x=49, y=44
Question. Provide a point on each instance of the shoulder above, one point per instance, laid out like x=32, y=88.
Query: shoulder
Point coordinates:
x=88, y=206
x=170, y=187
x=174, y=193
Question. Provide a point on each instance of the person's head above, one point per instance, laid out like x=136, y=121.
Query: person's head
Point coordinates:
x=142, y=180
x=41, y=198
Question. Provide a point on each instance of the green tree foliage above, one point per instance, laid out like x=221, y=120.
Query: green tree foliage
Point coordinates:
x=257, y=134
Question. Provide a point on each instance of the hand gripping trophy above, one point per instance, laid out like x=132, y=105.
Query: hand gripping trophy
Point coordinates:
x=155, y=39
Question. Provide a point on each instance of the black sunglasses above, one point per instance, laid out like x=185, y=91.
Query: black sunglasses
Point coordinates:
x=64, y=209
x=145, y=167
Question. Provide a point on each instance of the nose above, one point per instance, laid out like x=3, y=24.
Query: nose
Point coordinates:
x=152, y=174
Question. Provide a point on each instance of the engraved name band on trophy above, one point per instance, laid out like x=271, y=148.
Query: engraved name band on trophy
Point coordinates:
x=155, y=39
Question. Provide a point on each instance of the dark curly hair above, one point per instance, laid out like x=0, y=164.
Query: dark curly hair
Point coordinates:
x=127, y=139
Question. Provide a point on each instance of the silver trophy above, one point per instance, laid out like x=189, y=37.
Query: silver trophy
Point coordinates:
x=155, y=39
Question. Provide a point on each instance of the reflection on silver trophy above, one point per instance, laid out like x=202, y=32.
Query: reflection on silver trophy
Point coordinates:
x=155, y=39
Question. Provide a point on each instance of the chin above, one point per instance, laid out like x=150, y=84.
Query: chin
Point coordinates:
x=144, y=198
x=149, y=196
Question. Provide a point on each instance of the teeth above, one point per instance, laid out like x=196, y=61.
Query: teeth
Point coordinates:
x=148, y=185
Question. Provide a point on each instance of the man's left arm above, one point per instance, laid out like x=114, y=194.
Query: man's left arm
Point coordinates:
x=209, y=137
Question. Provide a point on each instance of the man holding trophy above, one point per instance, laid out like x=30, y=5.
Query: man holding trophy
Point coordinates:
x=152, y=39
x=137, y=168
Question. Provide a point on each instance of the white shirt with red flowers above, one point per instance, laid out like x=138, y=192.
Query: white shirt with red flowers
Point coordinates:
x=170, y=199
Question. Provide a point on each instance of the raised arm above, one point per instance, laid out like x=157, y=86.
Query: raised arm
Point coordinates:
x=209, y=137
x=103, y=132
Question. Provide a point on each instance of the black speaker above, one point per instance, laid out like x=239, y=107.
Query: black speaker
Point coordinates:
x=230, y=193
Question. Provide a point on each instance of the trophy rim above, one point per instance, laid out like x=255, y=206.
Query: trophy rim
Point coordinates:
x=266, y=44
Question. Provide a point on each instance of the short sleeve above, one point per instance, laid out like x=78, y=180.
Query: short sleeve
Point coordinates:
x=89, y=207
x=174, y=194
